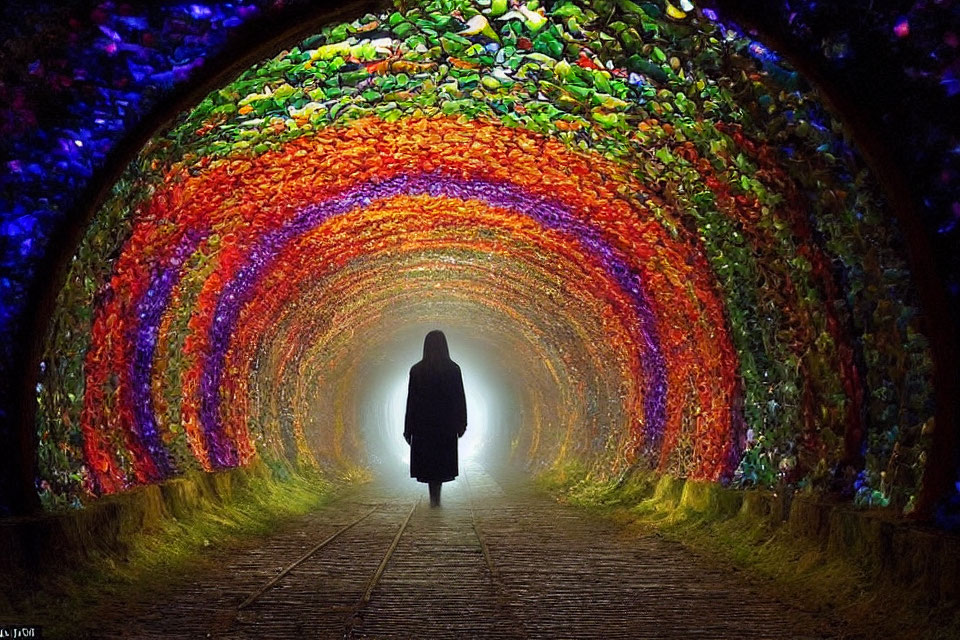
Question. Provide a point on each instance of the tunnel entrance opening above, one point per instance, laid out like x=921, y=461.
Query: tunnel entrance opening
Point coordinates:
x=700, y=296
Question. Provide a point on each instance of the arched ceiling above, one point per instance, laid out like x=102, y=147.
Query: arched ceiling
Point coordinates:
x=657, y=209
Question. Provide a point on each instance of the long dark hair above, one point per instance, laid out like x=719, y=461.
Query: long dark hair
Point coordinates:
x=436, y=355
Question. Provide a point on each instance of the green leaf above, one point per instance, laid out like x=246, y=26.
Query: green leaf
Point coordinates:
x=498, y=7
x=567, y=11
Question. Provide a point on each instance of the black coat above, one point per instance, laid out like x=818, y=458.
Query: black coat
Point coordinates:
x=436, y=416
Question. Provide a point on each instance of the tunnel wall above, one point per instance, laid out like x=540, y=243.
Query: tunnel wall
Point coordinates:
x=836, y=377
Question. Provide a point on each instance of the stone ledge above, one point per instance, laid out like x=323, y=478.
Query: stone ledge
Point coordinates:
x=886, y=547
x=35, y=545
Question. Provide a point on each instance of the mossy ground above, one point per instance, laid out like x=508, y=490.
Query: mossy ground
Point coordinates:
x=158, y=558
x=790, y=567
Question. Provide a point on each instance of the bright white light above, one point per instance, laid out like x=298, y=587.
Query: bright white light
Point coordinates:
x=477, y=394
x=396, y=409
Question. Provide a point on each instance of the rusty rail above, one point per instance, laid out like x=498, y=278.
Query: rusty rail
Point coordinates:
x=259, y=592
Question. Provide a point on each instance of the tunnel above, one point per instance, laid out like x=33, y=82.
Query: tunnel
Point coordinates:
x=673, y=263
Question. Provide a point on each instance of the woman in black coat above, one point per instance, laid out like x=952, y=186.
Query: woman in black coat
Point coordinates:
x=436, y=415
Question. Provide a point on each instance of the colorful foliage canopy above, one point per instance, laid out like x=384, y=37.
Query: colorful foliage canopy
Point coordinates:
x=662, y=207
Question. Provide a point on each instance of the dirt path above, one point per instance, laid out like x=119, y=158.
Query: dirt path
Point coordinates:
x=548, y=571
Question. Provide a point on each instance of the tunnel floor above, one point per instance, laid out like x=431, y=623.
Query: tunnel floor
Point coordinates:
x=547, y=571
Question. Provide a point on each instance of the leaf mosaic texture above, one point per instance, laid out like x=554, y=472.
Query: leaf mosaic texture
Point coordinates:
x=664, y=211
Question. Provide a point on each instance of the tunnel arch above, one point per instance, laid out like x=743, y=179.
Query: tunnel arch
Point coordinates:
x=733, y=203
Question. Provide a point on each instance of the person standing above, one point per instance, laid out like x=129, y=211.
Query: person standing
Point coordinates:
x=436, y=415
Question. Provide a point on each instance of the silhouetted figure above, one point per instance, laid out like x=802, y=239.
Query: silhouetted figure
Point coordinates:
x=436, y=415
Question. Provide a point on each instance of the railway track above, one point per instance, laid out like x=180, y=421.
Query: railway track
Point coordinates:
x=476, y=529
x=497, y=561
x=354, y=622
x=443, y=578
x=353, y=610
x=259, y=592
